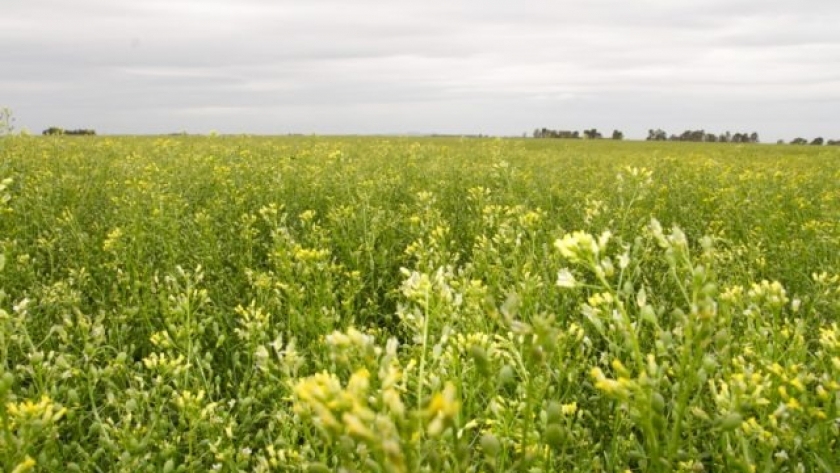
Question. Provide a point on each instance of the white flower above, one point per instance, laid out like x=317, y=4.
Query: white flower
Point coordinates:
x=21, y=306
x=579, y=246
x=566, y=279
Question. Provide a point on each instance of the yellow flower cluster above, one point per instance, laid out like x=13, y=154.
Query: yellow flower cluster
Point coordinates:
x=43, y=410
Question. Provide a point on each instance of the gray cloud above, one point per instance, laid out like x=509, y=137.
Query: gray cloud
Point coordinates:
x=372, y=66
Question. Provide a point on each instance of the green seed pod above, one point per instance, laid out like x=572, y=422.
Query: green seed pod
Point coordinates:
x=636, y=455
x=554, y=413
x=506, y=376
x=537, y=354
x=555, y=436
x=133, y=445
x=730, y=421
x=36, y=358
x=658, y=421
x=95, y=428
x=6, y=383
x=346, y=444
x=482, y=361
x=491, y=445
x=169, y=466
x=318, y=468
x=710, y=363
x=657, y=402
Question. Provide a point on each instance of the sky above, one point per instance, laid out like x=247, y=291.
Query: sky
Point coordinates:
x=434, y=66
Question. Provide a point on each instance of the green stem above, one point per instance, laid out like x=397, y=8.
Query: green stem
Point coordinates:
x=422, y=370
x=687, y=362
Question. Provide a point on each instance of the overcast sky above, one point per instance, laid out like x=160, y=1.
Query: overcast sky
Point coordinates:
x=372, y=66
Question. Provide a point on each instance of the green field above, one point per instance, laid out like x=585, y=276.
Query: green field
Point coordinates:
x=403, y=305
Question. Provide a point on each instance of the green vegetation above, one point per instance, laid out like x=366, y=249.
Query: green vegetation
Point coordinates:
x=402, y=305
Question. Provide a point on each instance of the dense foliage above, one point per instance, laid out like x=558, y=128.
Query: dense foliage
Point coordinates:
x=314, y=304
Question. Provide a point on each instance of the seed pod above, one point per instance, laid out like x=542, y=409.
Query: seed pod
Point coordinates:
x=318, y=468
x=482, y=361
x=636, y=455
x=491, y=445
x=555, y=436
x=730, y=422
x=506, y=376
x=554, y=412
x=6, y=383
x=657, y=402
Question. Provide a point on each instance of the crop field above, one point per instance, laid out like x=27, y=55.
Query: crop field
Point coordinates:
x=397, y=305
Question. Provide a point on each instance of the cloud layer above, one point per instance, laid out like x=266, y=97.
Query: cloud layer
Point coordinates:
x=330, y=66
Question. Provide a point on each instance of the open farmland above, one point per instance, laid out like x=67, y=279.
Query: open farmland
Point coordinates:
x=402, y=305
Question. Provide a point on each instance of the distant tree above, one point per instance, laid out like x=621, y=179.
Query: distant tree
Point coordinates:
x=547, y=133
x=744, y=138
x=818, y=141
x=692, y=135
x=592, y=134
x=780, y=142
x=799, y=141
x=657, y=135
x=617, y=135
x=7, y=121
x=710, y=137
x=53, y=130
x=833, y=143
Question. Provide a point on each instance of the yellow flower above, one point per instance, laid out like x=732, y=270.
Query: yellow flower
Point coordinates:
x=44, y=409
x=26, y=465
x=569, y=409
x=442, y=409
x=355, y=427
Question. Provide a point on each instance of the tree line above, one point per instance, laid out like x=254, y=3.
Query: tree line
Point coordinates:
x=591, y=134
x=818, y=141
x=697, y=136
x=701, y=136
x=54, y=130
